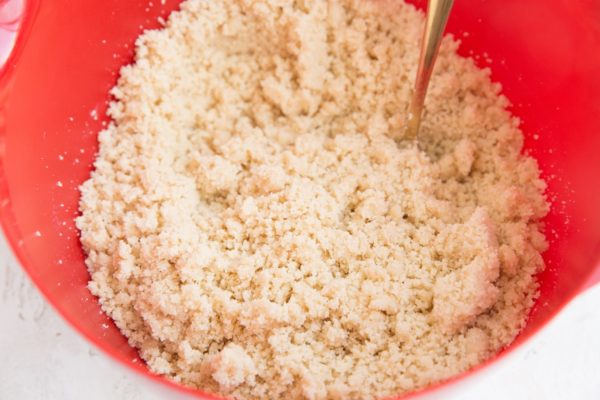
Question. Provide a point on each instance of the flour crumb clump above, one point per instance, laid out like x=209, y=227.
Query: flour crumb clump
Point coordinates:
x=253, y=230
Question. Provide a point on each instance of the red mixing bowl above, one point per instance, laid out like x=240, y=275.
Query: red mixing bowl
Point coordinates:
x=61, y=57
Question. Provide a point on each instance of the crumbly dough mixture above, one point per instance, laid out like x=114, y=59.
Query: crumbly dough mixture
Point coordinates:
x=254, y=231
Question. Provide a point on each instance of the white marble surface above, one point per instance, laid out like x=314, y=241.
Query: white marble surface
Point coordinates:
x=43, y=358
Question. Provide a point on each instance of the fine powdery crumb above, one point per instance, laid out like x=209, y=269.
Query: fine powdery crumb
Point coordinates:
x=255, y=232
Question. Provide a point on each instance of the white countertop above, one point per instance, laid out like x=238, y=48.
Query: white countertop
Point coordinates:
x=43, y=358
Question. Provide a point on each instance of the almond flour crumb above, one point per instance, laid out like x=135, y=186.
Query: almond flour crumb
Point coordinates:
x=253, y=230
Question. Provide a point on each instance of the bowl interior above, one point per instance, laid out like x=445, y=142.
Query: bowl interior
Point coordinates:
x=54, y=93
